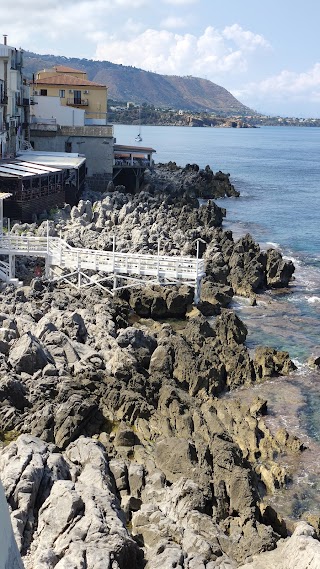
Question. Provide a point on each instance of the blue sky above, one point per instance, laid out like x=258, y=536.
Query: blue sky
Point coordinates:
x=265, y=52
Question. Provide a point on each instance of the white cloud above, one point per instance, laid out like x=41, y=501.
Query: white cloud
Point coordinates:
x=244, y=39
x=130, y=3
x=288, y=92
x=173, y=22
x=170, y=53
x=69, y=27
x=289, y=83
x=180, y=2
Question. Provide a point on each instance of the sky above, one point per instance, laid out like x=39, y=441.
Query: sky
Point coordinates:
x=265, y=52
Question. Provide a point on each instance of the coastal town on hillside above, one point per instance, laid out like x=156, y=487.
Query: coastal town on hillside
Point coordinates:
x=61, y=119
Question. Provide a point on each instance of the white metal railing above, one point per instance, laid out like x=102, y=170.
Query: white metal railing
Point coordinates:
x=58, y=252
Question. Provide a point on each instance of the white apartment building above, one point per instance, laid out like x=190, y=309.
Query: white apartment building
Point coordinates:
x=14, y=100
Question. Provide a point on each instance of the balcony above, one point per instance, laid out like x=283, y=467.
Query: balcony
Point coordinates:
x=22, y=102
x=75, y=102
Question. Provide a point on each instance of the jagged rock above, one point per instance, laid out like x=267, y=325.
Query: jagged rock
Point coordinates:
x=278, y=271
x=314, y=361
x=216, y=295
x=301, y=551
x=269, y=362
x=27, y=355
x=76, y=520
x=174, y=456
x=125, y=437
x=186, y=467
x=159, y=302
x=230, y=329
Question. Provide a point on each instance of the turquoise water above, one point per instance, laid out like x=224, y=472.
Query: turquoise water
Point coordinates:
x=277, y=170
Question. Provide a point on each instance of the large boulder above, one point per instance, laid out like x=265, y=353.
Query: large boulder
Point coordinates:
x=175, y=456
x=158, y=302
x=300, y=551
x=63, y=508
x=278, y=271
x=28, y=355
x=269, y=362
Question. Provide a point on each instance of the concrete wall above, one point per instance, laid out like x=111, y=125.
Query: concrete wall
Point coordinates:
x=9, y=555
x=94, y=96
x=96, y=143
x=50, y=107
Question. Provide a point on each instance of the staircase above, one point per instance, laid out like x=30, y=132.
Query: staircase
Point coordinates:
x=5, y=275
x=134, y=267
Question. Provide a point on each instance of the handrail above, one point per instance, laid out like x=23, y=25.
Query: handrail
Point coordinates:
x=58, y=252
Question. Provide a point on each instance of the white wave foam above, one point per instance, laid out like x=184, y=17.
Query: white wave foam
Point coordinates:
x=313, y=299
x=273, y=244
x=295, y=260
x=301, y=366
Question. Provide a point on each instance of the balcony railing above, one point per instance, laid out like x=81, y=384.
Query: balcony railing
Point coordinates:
x=77, y=102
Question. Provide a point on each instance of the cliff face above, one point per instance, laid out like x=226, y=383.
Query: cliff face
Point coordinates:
x=127, y=83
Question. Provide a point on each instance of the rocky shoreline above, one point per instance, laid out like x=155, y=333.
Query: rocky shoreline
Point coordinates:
x=119, y=448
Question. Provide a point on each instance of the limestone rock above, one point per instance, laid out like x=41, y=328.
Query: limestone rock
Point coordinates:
x=27, y=355
x=278, y=271
x=301, y=551
x=269, y=362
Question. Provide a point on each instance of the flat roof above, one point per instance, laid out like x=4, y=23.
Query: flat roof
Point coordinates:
x=64, y=160
x=140, y=149
x=21, y=169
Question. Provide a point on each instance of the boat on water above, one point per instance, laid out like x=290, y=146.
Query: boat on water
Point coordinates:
x=138, y=138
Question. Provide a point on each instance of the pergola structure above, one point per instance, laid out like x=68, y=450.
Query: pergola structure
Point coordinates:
x=131, y=161
x=33, y=188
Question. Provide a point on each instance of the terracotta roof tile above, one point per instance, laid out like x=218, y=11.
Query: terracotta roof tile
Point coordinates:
x=65, y=69
x=66, y=79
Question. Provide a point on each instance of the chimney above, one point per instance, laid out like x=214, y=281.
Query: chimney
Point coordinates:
x=5, y=39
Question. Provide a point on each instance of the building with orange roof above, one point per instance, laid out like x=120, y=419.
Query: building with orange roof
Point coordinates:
x=69, y=114
x=74, y=90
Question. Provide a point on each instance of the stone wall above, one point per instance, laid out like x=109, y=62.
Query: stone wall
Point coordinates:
x=95, y=142
x=98, y=182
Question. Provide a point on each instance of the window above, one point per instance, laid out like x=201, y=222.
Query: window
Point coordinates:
x=77, y=97
x=44, y=92
x=62, y=93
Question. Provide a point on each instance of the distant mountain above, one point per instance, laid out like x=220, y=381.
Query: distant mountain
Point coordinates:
x=126, y=83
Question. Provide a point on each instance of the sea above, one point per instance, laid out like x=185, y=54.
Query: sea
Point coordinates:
x=277, y=171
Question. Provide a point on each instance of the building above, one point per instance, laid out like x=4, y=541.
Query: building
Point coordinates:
x=14, y=101
x=65, y=117
x=74, y=90
x=94, y=142
x=130, y=163
x=39, y=182
x=69, y=114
